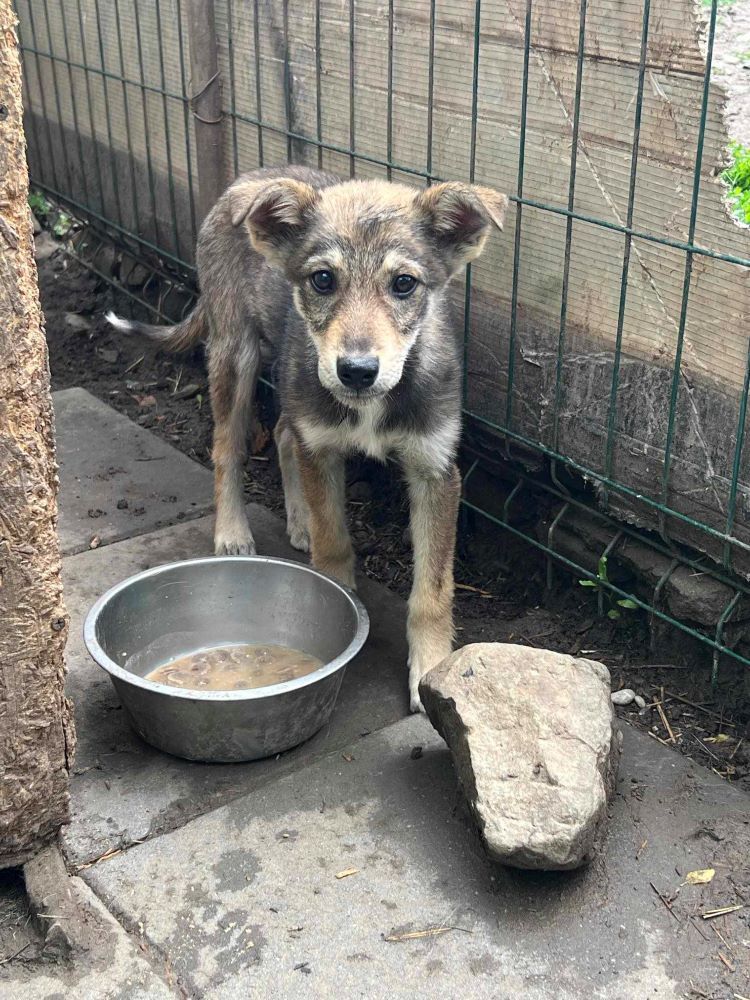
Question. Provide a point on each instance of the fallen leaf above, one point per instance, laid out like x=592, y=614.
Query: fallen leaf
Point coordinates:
x=95, y=542
x=413, y=935
x=347, y=872
x=719, y=738
x=347, y=757
x=700, y=877
x=144, y=402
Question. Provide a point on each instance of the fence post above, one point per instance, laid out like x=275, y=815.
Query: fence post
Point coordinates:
x=36, y=728
x=205, y=102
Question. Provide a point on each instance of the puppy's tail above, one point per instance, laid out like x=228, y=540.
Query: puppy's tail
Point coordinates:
x=180, y=337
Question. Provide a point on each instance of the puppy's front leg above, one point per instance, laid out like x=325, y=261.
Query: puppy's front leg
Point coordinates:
x=434, y=509
x=322, y=475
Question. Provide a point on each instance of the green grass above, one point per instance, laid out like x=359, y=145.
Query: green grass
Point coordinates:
x=737, y=179
x=720, y=4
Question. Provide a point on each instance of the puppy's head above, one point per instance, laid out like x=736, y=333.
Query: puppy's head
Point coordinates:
x=368, y=262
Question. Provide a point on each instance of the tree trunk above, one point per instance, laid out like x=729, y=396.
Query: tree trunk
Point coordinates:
x=36, y=729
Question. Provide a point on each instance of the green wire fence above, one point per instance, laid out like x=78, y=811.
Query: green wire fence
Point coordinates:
x=132, y=129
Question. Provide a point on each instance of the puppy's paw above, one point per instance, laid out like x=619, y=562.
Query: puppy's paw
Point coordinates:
x=234, y=545
x=415, y=702
x=298, y=537
x=343, y=571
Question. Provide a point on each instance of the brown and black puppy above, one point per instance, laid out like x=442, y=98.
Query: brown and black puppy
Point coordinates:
x=346, y=284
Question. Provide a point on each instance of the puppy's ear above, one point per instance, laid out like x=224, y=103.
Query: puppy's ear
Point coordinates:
x=458, y=217
x=275, y=212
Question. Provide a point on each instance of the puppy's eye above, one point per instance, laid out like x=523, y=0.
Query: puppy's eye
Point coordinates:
x=323, y=282
x=403, y=285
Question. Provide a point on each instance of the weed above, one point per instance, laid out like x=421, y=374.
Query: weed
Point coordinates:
x=600, y=584
x=737, y=179
x=63, y=225
x=39, y=204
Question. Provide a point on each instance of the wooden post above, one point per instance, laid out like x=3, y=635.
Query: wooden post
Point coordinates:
x=206, y=104
x=36, y=728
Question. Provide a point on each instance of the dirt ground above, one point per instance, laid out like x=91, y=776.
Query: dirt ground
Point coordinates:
x=501, y=590
x=731, y=65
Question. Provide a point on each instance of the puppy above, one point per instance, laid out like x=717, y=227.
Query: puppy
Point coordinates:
x=345, y=285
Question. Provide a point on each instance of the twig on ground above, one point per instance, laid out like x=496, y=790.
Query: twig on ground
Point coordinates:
x=427, y=932
x=665, y=721
x=693, y=704
x=665, y=901
x=4, y=961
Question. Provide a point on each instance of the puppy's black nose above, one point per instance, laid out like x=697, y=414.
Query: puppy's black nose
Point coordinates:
x=357, y=373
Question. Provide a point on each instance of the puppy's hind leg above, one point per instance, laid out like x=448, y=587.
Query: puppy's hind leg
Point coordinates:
x=232, y=380
x=297, y=512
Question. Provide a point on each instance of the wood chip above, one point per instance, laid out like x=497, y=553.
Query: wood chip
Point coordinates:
x=347, y=872
x=710, y=914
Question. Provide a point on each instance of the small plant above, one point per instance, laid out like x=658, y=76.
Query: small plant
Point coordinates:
x=63, y=225
x=39, y=204
x=719, y=3
x=600, y=585
x=737, y=179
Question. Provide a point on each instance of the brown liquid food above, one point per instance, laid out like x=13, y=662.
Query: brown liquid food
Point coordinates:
x=232, y=668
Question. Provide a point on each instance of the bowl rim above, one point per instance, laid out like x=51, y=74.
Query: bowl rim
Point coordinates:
x=98, y=654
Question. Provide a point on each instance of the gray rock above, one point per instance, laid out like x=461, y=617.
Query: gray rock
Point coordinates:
x=640, y=701
x=534, y=743
x=45, y=246
x=36, y=224
x=77, y=323
x=625, y=696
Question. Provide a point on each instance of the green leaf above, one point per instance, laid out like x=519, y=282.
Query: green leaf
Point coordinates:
x=38, y=203
x=588, y=583
x=63, y=225
x=602, y=569
x=627, y=603
x=613, y=613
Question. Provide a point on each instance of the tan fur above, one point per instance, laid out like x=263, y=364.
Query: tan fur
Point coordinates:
x=434, y=508
x=231, y=402
x=322, y=477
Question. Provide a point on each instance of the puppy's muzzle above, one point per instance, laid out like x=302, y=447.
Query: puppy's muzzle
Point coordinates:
x=357, y=373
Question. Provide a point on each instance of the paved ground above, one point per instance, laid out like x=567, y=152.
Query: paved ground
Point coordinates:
x=233, y=889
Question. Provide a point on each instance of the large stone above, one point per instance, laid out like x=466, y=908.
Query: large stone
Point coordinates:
x=535, y=747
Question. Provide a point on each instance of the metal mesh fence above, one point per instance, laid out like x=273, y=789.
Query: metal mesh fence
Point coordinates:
x=605, y=349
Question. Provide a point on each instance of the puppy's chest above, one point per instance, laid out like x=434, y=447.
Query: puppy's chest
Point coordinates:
x=431, y=452
x=363, y=434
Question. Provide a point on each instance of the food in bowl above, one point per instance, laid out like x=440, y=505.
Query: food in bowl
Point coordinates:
x=236, y=667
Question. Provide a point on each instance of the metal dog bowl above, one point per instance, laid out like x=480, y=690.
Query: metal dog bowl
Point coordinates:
x=173, y=610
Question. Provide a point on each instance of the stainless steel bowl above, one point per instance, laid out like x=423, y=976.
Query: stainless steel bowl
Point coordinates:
x=172, y=610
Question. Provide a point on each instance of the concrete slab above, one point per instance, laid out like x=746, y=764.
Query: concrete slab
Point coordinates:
x=112, y=967
x=123, y=790
x=248, y=900
x=107, y=460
